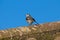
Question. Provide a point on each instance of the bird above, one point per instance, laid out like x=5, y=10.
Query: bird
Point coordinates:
x=30, y=19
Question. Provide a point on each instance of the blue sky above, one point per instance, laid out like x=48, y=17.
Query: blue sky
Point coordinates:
x=12, y=12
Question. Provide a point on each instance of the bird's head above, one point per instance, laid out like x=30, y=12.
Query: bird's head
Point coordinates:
x=27, y=15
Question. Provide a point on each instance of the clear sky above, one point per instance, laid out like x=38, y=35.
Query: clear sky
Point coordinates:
x=12, y=12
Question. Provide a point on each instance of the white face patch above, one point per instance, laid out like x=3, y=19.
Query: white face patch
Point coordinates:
x=27, y=15
x=29, y=21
